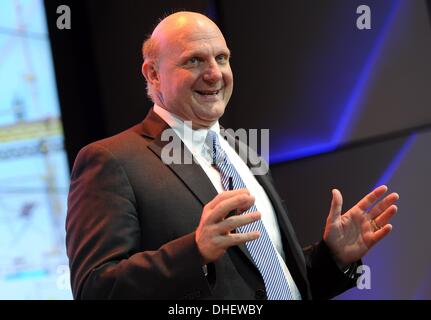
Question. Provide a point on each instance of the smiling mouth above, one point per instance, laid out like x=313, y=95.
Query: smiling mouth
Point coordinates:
x=207, y=92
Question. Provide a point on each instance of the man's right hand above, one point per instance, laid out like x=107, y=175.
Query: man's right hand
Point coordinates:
x=213, y=235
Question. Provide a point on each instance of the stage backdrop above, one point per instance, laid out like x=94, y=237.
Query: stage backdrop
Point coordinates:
x=34, y=173
x=346, y=108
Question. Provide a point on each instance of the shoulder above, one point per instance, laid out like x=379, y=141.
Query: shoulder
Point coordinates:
x=123, y=142
x=121, y=147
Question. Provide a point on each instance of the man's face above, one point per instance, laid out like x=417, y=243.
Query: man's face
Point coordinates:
x=195, y=78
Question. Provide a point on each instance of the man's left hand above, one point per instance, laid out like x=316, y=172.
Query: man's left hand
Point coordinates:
x=350, y=235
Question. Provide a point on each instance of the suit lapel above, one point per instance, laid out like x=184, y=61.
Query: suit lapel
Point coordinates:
x=294, y=256
x=188, y=170
x=191, y=173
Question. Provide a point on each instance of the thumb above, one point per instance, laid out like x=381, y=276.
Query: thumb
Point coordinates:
x=336, y=206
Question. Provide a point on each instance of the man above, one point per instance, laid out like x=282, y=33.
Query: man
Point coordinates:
x=140, y=228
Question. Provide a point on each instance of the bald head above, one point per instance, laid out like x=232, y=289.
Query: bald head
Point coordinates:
x=174, y=27
x=186, y=65
x=181, y=21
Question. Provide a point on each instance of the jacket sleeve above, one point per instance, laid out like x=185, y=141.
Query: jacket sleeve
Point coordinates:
x=325, y=277
x=103, y=238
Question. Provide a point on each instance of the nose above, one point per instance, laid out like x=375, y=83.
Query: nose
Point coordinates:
x=213, y=73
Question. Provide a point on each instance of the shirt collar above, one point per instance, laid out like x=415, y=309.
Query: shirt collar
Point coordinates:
x=194, y=139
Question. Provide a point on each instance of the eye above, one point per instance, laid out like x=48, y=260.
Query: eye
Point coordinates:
x=193, y=61
x=222, y=58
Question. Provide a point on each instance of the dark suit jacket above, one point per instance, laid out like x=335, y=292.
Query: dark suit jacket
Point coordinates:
x=131, y=221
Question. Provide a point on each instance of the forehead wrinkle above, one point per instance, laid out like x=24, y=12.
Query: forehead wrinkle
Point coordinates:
x=202, y=42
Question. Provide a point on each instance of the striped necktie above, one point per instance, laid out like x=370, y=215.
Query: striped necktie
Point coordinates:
x=261, y=250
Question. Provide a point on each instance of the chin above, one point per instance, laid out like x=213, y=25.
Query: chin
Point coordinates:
x=211, y=111
x=213, y=116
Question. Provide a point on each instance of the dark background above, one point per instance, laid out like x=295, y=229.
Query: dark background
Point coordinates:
x=346, y=108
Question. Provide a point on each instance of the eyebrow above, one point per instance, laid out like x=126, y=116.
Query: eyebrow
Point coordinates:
x=190, y=53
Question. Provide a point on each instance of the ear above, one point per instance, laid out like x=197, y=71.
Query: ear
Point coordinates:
x=151, y=73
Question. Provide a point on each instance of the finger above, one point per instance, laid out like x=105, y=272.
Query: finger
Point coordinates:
x=220, y=211
x=386, y=216
x=383, y=205
x=234, y=239
x=336, y=206
x=227, y=225
x=226, y=195
x=381, y=233
x=370, y=199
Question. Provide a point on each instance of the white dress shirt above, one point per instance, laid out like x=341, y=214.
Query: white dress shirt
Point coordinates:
x=194, y=140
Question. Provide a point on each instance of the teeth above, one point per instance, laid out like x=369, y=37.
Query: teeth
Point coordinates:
x=208, y=92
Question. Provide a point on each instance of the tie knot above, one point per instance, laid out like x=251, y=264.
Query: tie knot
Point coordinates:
x=215, y=150
x=211, y=138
